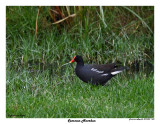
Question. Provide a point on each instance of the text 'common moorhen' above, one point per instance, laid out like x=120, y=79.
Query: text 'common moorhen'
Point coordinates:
x=95, y=74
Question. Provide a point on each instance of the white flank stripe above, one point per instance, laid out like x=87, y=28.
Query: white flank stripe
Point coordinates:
x=96, y=70
x=104, y=74
x=116, y=72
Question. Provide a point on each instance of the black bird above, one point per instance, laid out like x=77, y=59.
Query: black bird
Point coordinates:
x=95, y=74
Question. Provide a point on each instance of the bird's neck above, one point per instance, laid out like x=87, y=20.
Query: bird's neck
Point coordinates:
x=80, y=64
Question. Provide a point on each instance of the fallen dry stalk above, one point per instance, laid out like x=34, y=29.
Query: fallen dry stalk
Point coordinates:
x=64, y=19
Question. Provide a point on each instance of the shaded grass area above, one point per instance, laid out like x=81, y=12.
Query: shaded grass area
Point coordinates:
x=68, y=97
x=126, y=38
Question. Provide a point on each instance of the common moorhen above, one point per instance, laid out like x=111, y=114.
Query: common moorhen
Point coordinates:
x=95, y=74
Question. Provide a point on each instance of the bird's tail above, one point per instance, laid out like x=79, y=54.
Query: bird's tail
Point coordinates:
x=118, y=70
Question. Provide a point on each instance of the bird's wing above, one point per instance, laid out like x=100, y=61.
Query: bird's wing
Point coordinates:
x=103, y=69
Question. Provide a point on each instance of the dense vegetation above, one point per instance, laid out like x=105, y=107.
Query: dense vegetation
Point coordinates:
x=38, y=86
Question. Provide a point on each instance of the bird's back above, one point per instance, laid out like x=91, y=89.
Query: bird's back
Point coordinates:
x=96, y=74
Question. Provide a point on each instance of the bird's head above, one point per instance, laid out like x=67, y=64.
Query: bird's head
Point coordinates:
x=77, y=59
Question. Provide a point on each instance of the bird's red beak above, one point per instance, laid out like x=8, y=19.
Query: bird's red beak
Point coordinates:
x=72, y=60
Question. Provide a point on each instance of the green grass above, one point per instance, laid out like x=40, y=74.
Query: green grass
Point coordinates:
x=38, y=86
x=68, y=97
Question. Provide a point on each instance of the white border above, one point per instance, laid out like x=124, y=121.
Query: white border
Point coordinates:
x=3, y=4
x=2, y=63
x=157, y=62
x=81, y=2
